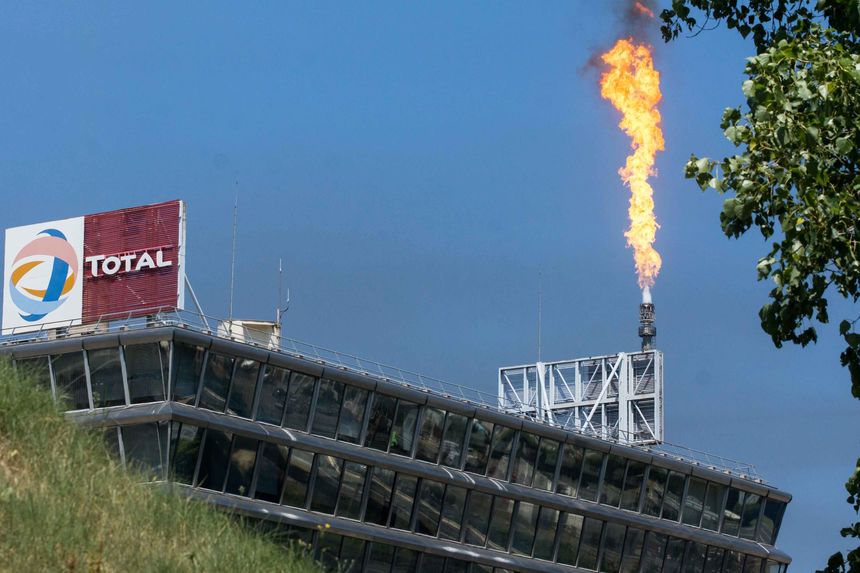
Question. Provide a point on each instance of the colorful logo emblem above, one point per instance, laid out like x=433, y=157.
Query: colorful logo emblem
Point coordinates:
x=37, y=294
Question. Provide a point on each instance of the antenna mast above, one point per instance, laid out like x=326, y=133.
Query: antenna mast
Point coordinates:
x=540, y=312
x=233, y=257
x=283, y=306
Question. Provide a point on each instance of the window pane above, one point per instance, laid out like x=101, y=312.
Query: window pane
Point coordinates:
x=610, y=492
x=187, y=364
x=524, y=465
x=654, y=490
x=402, y=502
x=456, y=566
x=273, y=395
x=524, y=526
x=734, y=562
x=500, y=453
x=545, y=538
x=752, y=564
x=112, y=441
x=405, y=561
x=713, y=506
x=299, y=396
x=477, y=518
x=770, y=521
x=571, y=465
x=732, y=513
x=500, y=524
x=326, y=484
x=144, y=447
x=242, y=461
x=71, y=379
x=590, y=545
x=632, y=485
x=452, y=512
x=403, y=432
x=273, y=463
x=213, y=462
x=429, y=507
x=695, y=560
x=714, y=561
x=328, y=548
x=613, y=542
x=452, y=441
x=546, y=462
x=186, y=445
x=216, y=380
x=351, y=558
x=381, y=484
x=752, y=507
x=632, y=550
x=590, y=478
x=430, y=436
x=381, y=420
x=672, y=499
x=479, y=446
x=431, y=563
x=694, y=502
x=380, y=558
x=352, y=414
x=652, y=555
x=146, y=366
x=351, y=490
x=298, y=475
x=36, y=369
x=106, y=377
x=327, y=408
x=242, y=391
x=674, y=556
x=569, y=531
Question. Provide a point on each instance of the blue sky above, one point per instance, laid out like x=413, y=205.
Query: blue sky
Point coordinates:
x=417, y=166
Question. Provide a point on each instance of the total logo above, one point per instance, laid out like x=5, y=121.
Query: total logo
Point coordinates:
x=44, y=274
x=128, y=263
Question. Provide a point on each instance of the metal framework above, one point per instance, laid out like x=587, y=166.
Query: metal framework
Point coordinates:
x=618, y=397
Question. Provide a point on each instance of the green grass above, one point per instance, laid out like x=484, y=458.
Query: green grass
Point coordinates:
x=66, y=505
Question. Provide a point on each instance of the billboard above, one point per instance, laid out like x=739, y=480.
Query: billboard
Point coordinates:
x=76, y=271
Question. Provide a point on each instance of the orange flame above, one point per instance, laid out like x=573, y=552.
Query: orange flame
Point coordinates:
x=643, y=9
x=633, y=86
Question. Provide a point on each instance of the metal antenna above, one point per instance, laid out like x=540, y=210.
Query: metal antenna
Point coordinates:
x=233, y=257
x=540, y=311
x=283, y=306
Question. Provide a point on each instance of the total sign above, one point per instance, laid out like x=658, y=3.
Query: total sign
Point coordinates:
x=121, y=263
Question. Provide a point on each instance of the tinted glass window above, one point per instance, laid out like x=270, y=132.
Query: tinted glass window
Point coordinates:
x=186, y=445
x=144, y=448
x=187, y=365
x=632, y=485
x=452, y=440
x=351, y=558
x=613, y=479
x=590, y=544
x=524, y=465
x=213, y=462
x=401, y=503
x=106, y=377
x=299, y=395
x=695, y=560
x=403, y=432
x=500, y=524
x=36, y=368
x=524, y=527
x=477, y=518
x=216, y=380
x=654, y=490
x=352, y=414
x=351, y=490
x=672, y=498
x=694, y=502
x=452, y=512
x=752, y=564
x=571, y=466
x=653, y=553
x=500, y=454
x=632, y=550
x=431, y=563
x=326, y=484
x=273, y=463
x=430, y=436
x=380, y=422
x=674, y=556
x=112, y=440
x=713, y=506
x=479, y=446
x=569, y=531
x=298, y=474
x=242, y=390
x=613, y=543
x=273, y=395
x=327, y=408
x=429, y=507
x=327, y=549
x=242, y=460
x=405, y=561
x=71, y=379
x=732, y=512
x=381, y=484
x=380, y=558
x=733, y=562
x=545, y=537
x=749, y=518
x=456, y=566
x=770, y=521
x=546, y=462
x=146, y=366
x=714, y=560
x=590, y=478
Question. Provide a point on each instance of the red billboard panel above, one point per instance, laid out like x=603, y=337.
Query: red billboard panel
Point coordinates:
x=133, y=260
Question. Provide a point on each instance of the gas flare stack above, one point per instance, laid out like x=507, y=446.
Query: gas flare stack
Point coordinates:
x=647, y=330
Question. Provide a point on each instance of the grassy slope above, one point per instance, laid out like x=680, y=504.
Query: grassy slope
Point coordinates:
x=65, y=505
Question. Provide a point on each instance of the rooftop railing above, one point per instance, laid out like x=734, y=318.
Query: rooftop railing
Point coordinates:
x=270, y=339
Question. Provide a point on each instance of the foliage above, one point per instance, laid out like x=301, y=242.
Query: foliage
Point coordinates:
x=66, y=505
x=797, y=175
